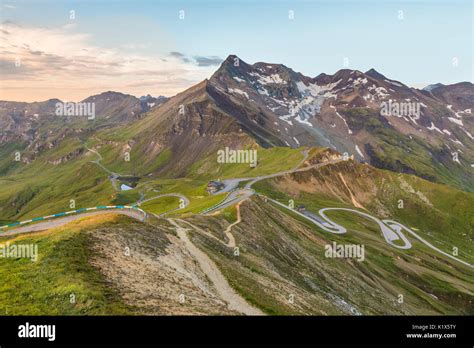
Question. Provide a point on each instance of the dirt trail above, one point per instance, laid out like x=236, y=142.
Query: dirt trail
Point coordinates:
x=229, y=235
x=200, y=230
x=231, y=240
x=234, y=300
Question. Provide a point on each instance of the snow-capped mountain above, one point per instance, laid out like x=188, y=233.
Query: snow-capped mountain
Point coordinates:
x=379, y=120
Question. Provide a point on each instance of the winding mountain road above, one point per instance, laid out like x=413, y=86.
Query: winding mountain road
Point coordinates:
x=60, y=219
x=238, y=195
x=391, y=230
x=178, y=195
x=112, y=175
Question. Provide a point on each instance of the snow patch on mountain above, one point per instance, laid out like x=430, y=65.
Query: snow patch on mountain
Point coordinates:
x=456, y=141
x=455, y=120
x=360, y=81
x=468, y=134
x=345, y=122
x=286, y=119
x=270, y=79
x=433, y=127
x=446, y=132
x=238, y=91
x=279, y=102
x=394, y=83
x=263, y=91
x=316, y=90
x=457, y=114
x=310, y=102
x=238, y=79
x=303, y=121
x=359, y=152
x=379, y=92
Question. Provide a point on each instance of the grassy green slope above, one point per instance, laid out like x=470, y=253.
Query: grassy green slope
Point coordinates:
x=61, y=273
x=41, y=187
x=411, y=155
x=282, y=254
x=441, y=214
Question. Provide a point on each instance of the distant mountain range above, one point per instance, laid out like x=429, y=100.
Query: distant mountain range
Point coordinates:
x=272, y=105
x=343, y=111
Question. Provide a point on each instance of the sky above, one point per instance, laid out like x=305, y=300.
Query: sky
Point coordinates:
x=73, y=49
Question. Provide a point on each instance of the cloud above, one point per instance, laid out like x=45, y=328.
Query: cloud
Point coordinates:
x=60, y=59
x=208, y=61
x=177, y=54
x=180, y=56
x=136, y=46
x=202, y=61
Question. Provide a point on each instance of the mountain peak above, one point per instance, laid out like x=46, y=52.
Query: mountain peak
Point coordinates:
x=231, y=57
x=432, y=87
x=233, y=60
x=109, y=95
x=375, y=74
